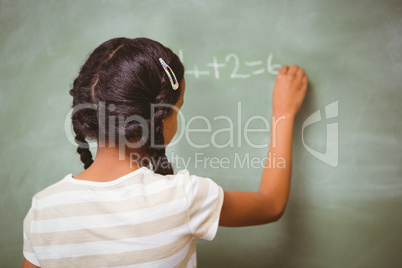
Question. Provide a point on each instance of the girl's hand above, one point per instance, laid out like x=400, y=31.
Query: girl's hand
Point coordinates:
x=289, y=90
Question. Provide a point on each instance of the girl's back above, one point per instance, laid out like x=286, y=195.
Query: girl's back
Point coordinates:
x=140, y=218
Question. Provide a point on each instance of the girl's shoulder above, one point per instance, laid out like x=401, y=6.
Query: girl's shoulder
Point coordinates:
x=51, y=188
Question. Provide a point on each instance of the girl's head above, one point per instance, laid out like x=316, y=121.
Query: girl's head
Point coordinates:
x=123, y=96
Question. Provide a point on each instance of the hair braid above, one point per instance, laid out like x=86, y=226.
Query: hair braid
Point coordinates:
x=83, y=149
x=86, y=122
x=89, y=127
x=160, y=162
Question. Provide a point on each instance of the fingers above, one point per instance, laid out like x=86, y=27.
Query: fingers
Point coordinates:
x=293, y=69
x=299, y=72
x=305, y=79
x=296, y=71
x=284, y=70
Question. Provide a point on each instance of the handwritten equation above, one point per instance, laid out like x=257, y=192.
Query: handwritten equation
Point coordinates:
x=238, y=69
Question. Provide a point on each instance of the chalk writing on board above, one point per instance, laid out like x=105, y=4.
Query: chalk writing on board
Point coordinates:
x=238, y=69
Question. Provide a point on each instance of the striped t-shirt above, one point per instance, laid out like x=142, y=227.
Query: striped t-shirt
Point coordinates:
x=141, y=219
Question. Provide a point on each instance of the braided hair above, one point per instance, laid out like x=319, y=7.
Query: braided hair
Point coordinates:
x=123, y=78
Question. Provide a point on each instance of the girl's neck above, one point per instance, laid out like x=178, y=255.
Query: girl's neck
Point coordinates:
x=107, y=166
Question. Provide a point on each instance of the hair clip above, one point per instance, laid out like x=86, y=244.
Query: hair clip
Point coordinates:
x=169, y=71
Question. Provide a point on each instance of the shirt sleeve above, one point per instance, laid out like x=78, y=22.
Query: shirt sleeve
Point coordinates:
x=204, y=201
x=28, y=251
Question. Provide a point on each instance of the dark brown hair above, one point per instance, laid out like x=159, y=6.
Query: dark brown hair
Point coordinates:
x=123, y=78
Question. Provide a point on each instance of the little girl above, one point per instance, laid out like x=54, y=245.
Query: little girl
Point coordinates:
x=127, y=208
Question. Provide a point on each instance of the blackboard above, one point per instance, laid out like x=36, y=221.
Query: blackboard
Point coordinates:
x=345, y=203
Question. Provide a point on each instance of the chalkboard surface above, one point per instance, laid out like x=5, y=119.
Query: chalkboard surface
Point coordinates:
x=345, y=204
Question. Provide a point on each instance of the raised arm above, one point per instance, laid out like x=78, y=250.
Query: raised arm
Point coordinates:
x=241, y=208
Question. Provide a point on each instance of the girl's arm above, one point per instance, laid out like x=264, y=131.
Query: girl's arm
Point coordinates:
x=268, y=204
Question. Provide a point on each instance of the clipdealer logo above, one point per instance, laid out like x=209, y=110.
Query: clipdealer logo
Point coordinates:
x=330, y=156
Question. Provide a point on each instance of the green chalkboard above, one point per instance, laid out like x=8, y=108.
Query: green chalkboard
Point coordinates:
x=345, y=204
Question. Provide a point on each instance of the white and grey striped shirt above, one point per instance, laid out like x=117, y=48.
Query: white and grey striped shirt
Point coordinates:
x=141, y=219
